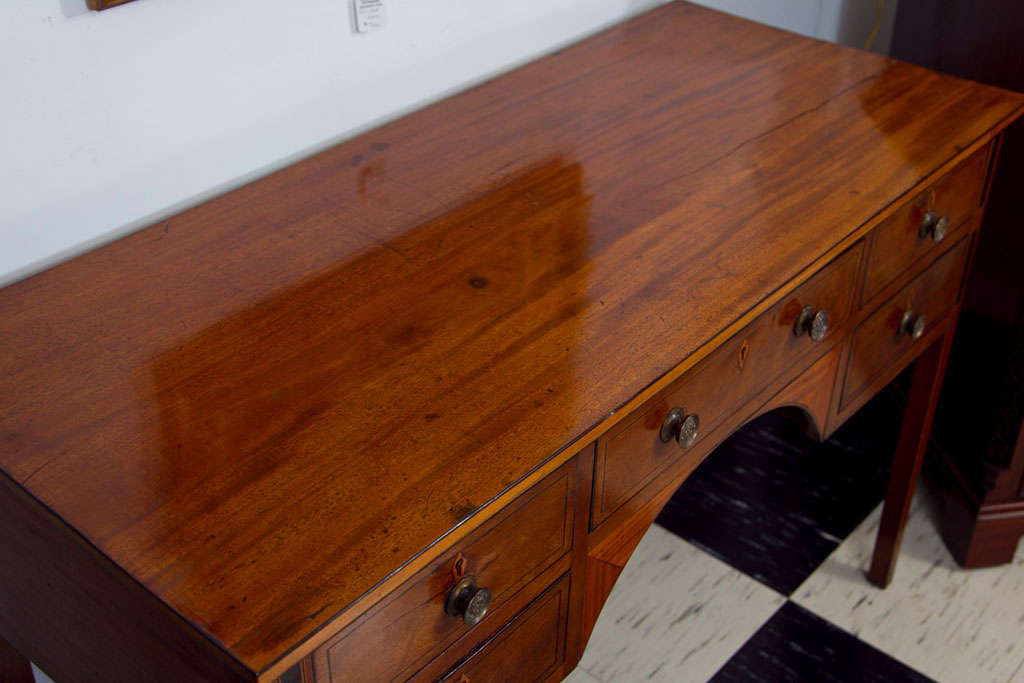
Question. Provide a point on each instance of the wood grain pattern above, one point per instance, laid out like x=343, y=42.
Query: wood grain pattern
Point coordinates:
x=402, y=635
x=531, y=648
x=282, y=403
x=627, y=522
x=808, y=386
x=811, y=395
x=906, y=467
x=501, y=616
x=630, y=453
x=870, y=355
x=105, y=4
x=878, y=345
x=896, y=243
x=80, y=618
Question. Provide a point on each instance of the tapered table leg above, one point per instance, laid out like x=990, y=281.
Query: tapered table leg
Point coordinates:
x=910, y=449
x=14, y=668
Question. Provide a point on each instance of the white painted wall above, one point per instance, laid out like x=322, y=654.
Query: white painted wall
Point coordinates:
x=841, y=21
x=110, y=120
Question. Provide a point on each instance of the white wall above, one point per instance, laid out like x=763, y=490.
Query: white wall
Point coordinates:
x=841, y=21
x=110, y=120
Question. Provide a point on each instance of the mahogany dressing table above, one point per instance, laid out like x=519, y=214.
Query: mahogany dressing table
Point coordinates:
x=404, y=408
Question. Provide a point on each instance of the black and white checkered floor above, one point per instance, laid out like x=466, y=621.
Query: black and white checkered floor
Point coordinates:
x=755, y=572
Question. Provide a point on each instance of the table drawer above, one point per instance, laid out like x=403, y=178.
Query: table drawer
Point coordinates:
x=887, y=335
x=632, y=452
x=529, y=648
x=411, y=626
x=898, y=241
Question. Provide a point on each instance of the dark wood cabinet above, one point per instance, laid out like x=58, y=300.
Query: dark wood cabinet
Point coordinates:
x=978, y=429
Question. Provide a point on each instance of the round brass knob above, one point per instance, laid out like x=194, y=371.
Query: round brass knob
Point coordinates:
x=680, y=427
x=913, y=325
x=934, y=226
x=814, y=323
x=467, y=600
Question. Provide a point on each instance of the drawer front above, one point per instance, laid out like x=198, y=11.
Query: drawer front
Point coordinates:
x=410, y=627
x=898, y=242
x=632, y=452
x=530, y=648
x=882, y=341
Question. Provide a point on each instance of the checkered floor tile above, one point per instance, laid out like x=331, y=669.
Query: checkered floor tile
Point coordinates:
x=764, y=550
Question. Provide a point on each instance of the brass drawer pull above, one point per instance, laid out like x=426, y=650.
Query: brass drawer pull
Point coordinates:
x=680, y=427
x=934, y=226
x=467, y=600
x=912, y=325
x=813, y=322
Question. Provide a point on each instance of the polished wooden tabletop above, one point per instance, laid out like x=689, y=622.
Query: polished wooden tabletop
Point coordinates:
x=264, y=406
